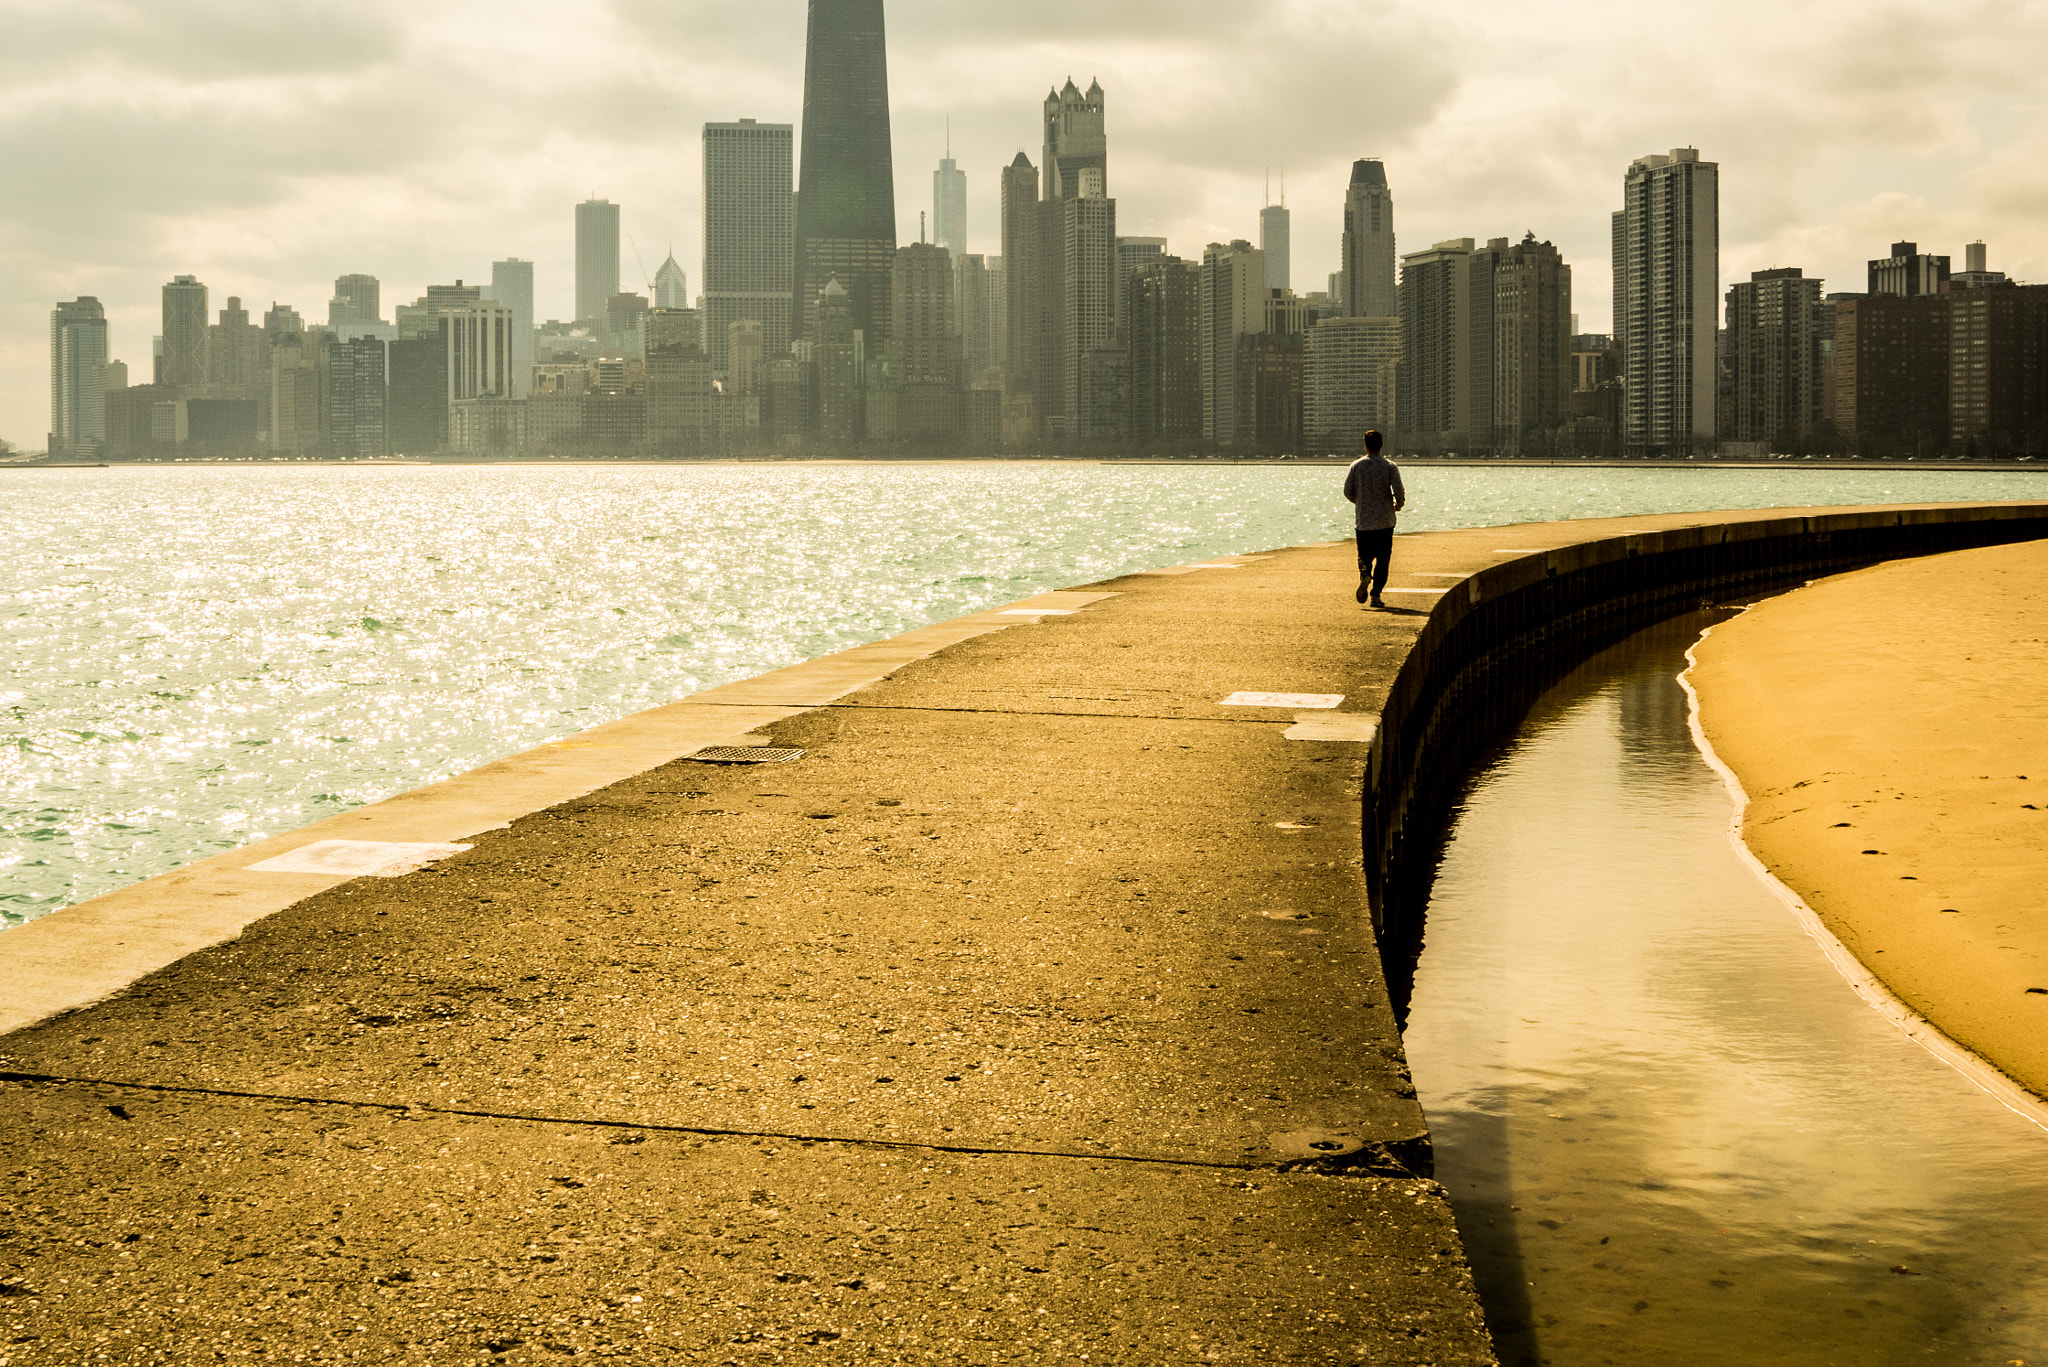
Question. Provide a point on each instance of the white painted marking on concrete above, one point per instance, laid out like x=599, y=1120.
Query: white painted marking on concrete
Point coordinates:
x=1036, y=612
x=1282, y=700
x=1359, y=727
x=358, y=858
x=1442, y=590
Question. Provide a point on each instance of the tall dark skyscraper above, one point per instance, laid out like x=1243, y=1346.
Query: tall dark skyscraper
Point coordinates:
x=846, y=187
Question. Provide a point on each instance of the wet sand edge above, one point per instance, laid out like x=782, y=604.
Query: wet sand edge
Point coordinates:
x=1891, y=778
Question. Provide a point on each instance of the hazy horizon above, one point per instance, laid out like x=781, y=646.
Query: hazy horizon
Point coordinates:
x=268, y=148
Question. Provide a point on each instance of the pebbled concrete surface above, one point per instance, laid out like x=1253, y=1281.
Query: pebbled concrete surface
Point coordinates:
x=1039, y=999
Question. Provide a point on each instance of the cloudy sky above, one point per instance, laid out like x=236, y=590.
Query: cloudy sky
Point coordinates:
x=267, y=146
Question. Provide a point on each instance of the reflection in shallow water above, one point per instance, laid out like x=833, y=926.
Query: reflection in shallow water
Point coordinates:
x=1670, y=1130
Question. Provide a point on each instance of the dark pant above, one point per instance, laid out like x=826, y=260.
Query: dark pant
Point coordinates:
x=1375, y=549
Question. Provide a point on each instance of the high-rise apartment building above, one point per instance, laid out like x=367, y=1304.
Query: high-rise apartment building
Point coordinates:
x=184, y=363
x=949, y=206
x=416, y=394
x=512, y=286
x=237, y=353
x=356, y=300
x=1368, y=272
x=478, y=340
x=622, y=323
x=1998, y=371
x=1437, y=328
x=1132, y=255
x=1532, y=344
x=1350, y=380
x=298, y=399
x=597, y=258
x=1276, y=231
x=1233, y=305
x=356, y=390
x=1908, y=272
x=846, y=191
x=749, y=234
x=1667, y=268
x=78, y=377
x=1774, y=356
x=743, y=357
x=1164, y=317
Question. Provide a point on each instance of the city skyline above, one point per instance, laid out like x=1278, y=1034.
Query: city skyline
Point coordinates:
x=272, y=198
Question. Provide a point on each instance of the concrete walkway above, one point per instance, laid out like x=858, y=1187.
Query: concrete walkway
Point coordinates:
x=1033, y=1015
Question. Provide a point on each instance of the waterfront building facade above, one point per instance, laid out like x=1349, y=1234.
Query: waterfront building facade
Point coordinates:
x=78, y=377
x=1350, y=382
x=1667, y=263
x=1165, y=331
x=1774, y=356
x=749, y=234
x=1531, y=342
x=1233, y=305
x=356, y=397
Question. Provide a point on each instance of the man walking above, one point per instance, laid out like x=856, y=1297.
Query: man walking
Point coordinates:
x=1374, y=484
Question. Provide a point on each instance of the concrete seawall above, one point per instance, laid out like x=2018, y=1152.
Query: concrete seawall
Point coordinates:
x=1035, y=1013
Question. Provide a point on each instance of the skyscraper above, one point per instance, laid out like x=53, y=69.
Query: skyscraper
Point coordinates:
x=597, y=258
x=1275, y=232
x=237, y=353
x=512, y=286
x=1076, y=143
x=1233, y=305
x=1435, y=380
x=846, y=192
x=1164, y=317
x=1132, y=254
x=749, y=222
x=1350, y=381
x=1667, y=267
x=949, y=206
x=975, y=313
x=78, y=376
x=671, y=285
x=356, y=300
x=1532, y=343
x=184, y=333
x=1369, y=242
x=1020, y=260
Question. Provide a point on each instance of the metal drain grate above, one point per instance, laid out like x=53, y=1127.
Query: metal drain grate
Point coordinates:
x=745, y=754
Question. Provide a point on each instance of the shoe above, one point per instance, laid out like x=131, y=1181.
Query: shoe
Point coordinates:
x=1361, y=593
x=1376, y=602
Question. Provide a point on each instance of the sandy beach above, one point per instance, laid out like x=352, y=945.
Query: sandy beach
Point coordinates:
x=1890, y=730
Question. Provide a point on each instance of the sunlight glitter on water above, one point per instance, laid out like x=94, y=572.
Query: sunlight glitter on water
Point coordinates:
x=198, y=656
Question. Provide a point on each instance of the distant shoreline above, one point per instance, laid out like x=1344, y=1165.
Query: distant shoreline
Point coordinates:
x=1785, y=463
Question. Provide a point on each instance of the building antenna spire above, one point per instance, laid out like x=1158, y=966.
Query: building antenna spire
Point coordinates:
x=949, y=137
x=920, y=227
x=1269, y=186
x=1283, y=189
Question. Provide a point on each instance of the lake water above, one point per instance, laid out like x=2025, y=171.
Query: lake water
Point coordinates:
x=1671, y=1131
x=192, y=657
